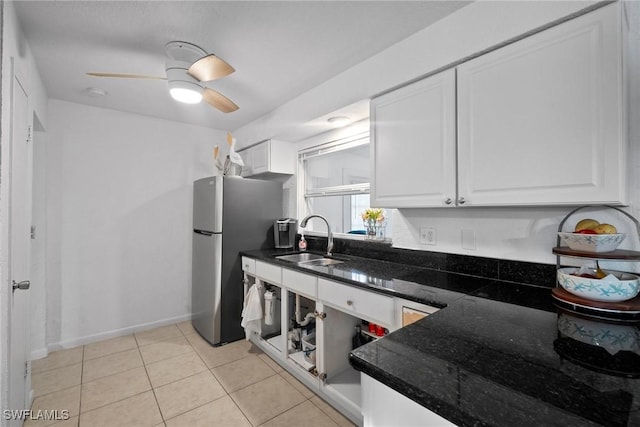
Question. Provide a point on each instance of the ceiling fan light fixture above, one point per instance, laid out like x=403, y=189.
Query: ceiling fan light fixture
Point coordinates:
x=182, y=87
x=186, y=95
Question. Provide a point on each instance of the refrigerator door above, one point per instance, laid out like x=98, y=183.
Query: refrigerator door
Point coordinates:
x=206, y=282
x=207, y=204
x=250, y=208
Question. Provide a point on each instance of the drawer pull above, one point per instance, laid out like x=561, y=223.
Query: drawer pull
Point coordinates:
x=349, y=302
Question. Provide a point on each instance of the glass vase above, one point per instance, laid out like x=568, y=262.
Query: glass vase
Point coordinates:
x=374, y=230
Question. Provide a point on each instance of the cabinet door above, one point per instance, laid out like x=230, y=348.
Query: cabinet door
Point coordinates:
x=413, y=144
x=246, y=159
x=540, y=121
x=260, y=158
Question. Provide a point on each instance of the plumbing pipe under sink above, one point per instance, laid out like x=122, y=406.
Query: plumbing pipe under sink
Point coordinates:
x=307, y=318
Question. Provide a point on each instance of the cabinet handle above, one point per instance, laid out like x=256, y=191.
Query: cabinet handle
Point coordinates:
x=349, y=302
x=448, y=201
x=461, y=201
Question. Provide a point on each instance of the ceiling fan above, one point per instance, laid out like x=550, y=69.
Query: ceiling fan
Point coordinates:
x=188, y=69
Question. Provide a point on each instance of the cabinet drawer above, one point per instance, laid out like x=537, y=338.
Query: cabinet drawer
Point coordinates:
x=248, y=265
x=299, y=282
x=268, y=272
x=368, y=305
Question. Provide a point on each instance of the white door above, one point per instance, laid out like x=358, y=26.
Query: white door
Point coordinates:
x=19, y=247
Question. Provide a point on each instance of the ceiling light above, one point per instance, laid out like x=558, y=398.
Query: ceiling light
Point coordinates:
x=182, y=87
x=339, y=121
x=184, y=93
x=95, y=92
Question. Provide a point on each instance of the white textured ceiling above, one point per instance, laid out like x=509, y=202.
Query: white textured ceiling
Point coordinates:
x=279, y=49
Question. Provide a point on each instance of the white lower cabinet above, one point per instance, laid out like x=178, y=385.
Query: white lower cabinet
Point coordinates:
x=314, y=327
x=383, y=407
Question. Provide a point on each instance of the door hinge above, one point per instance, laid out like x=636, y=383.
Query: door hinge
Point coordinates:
x=29, y=131
x=320, y=314
x=33, y=232
x=26, y=369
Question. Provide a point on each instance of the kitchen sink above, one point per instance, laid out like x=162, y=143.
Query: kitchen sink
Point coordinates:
x=321, y=261
x=307, y=259
x=302, y=257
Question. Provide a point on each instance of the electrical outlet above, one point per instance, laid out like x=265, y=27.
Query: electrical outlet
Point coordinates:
x=469, y=240
x=427, y=236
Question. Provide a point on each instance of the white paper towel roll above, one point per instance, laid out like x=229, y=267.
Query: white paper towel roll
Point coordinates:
x=269, y=298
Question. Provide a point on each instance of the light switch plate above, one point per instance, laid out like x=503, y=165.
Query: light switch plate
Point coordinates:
x=427, y=236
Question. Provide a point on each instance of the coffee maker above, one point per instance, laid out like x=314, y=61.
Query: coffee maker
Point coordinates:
x=284, y=232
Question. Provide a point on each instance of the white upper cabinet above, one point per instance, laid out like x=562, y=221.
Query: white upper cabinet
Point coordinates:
x=413, y=144
x=268, y=157
x=540, y=121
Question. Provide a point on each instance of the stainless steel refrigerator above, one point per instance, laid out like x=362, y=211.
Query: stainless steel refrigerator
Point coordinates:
x=230, y=214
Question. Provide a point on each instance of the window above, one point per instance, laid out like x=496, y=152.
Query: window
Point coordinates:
x=334, y=180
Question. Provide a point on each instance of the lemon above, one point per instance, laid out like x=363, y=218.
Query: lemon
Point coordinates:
x=605, y=229
x=586, y=224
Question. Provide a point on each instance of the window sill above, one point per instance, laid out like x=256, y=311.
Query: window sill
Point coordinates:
x=347, y=236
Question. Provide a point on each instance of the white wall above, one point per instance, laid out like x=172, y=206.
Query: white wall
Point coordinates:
x=512, y=233
x=119, y=206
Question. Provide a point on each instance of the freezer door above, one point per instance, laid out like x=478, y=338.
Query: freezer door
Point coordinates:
x=207, y=204
x=206, y=289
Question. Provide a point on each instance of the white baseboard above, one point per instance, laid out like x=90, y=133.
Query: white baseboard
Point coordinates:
x=74, y=342
x=39, y=353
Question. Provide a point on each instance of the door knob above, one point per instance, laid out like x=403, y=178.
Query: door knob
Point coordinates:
x=448, y=201
x=461, y=201
x=24, y=285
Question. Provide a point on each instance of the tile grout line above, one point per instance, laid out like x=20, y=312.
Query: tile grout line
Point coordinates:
x=155, y=398
x=210, y=369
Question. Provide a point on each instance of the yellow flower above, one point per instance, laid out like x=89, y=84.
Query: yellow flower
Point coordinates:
x=373, y=215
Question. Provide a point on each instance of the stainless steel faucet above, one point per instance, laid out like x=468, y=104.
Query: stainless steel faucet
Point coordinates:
x=303, y=224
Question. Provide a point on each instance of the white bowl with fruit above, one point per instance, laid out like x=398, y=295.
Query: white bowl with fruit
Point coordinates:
x=599, y=285
x=591, y=236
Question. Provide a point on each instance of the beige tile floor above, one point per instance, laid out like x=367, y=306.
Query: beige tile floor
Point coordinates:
x=171, y=377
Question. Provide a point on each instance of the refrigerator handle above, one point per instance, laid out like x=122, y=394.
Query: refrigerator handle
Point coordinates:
x=203, y=232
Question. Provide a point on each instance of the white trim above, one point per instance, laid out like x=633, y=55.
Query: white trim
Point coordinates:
x=115, y=333
x=344, y=236
x=339, y=190
x=38, y=354
x=335, y=145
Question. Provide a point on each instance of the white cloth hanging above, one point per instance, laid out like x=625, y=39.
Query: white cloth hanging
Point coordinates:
x=252, y=311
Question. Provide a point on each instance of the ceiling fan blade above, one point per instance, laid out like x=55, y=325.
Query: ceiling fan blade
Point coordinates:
x=125, y=76
x=210, y=68
x=218, y=100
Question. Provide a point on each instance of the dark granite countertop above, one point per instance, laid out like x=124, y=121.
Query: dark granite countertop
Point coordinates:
x=424, y=285
x=498, y=353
